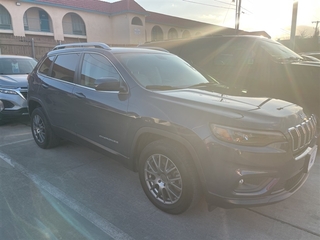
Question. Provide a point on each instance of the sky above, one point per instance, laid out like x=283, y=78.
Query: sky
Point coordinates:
x=272, y=16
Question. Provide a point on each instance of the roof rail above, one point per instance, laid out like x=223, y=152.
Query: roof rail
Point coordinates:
x=153, y=48
x=89, y=44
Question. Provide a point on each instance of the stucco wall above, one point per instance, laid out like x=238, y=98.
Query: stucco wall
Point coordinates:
x=98, y=26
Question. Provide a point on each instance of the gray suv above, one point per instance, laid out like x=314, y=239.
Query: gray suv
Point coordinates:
x=157, y=115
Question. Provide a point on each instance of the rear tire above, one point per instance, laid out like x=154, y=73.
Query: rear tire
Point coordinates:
x=42, y=131
x=168, y=177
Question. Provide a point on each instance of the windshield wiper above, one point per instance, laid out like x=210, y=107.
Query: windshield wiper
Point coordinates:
x=160, y=87
x=205, y=84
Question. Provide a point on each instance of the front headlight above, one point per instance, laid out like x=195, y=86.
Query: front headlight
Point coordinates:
x=246, y=137
x=8, y=91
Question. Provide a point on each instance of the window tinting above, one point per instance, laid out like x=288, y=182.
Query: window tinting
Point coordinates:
x=64, y=66
x=96, y=69
x=45, y=67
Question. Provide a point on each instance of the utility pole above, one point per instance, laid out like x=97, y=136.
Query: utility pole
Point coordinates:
x=294, y=25
x=316, y=31
x=238, y=12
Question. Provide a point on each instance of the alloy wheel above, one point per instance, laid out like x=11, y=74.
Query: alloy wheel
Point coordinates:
x=163, y=179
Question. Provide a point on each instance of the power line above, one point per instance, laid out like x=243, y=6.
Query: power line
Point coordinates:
x=205, y=4
x=211, y=5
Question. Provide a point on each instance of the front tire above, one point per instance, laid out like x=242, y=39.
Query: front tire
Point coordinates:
x=168, y=177
x=42, y=131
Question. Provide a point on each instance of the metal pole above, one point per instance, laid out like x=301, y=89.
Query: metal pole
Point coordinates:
x=294, y=25
x=239, y=13
x=32, y=46
x=236, y=27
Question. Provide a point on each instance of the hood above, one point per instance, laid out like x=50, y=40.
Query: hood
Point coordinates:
x=258, y=113
x=237, y=103
x=14, y=81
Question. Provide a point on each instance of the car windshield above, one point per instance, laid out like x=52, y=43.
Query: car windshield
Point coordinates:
x=279, y=51
x=161, y=71
x=10, y=66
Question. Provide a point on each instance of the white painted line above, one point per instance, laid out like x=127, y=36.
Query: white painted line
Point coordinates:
x=12, y=143
x=78, y=207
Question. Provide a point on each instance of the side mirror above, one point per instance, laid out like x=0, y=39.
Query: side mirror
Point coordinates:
x=109, y=84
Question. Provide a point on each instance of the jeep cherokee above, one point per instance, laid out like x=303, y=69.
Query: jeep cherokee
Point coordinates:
x=159, y=116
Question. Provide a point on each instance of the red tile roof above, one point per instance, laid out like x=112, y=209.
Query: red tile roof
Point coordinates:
x=127, y=5
x=96, y=5
x=173, y=21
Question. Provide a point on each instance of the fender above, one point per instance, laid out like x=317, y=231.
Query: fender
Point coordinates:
x=172, y=136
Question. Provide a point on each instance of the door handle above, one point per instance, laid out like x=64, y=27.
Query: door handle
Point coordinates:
x=80, y=95
x=44, y=85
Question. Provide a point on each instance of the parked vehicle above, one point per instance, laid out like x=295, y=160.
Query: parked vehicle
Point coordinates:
x=14, y=85
x=157, y=115
x=255, y=66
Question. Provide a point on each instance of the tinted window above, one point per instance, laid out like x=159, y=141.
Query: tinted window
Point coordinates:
x=65, y=66
x=45, y=67
x=96, y=69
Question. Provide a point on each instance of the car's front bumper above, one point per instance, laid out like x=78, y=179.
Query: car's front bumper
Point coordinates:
x=13, y=105
x=240, y=177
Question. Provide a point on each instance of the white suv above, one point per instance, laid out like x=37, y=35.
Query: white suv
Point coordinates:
x=14, y=85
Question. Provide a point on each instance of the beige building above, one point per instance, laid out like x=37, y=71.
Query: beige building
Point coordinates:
x=37, y=25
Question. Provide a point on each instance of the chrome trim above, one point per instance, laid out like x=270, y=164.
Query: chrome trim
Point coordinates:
x=302, y=134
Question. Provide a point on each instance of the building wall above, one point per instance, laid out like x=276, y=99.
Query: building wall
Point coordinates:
x=115, y=30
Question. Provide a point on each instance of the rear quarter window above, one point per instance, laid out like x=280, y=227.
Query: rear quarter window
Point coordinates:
x=45, y=67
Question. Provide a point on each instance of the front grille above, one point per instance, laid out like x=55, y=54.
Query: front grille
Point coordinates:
x=24, y=94
x=302, y=134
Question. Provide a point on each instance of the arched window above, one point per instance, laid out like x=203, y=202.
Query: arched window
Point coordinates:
x=5, y=19
x=37, y=20
x=73, y=24
x=156, y=34
x=173, y=33
x=136, y=21
x=186, y=34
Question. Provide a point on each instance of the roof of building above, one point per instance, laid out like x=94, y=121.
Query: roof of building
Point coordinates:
x=95, y=5
x=130, y=6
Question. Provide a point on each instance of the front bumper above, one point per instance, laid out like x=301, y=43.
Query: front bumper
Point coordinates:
x=13, y=105
x=7, y=114
x=245, y=178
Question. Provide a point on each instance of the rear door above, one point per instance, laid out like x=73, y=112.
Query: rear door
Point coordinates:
x=56, y=89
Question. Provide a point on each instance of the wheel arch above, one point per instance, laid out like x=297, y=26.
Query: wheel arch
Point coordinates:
x=146, y=135
x=32, y=105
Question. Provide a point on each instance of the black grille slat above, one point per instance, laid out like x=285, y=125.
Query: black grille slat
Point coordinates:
x=24, y=94
x=302, y=134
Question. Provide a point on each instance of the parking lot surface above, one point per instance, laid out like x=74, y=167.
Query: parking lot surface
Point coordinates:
x=71, y=192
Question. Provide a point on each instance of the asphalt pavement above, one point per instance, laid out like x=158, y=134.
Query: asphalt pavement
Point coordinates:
x=70, y=192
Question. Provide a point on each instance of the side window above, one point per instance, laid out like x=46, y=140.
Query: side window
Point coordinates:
x=45, y=67
x=65, y=66
x=96, y=69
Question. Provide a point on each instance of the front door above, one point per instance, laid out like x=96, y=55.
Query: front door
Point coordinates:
x=101, y=116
